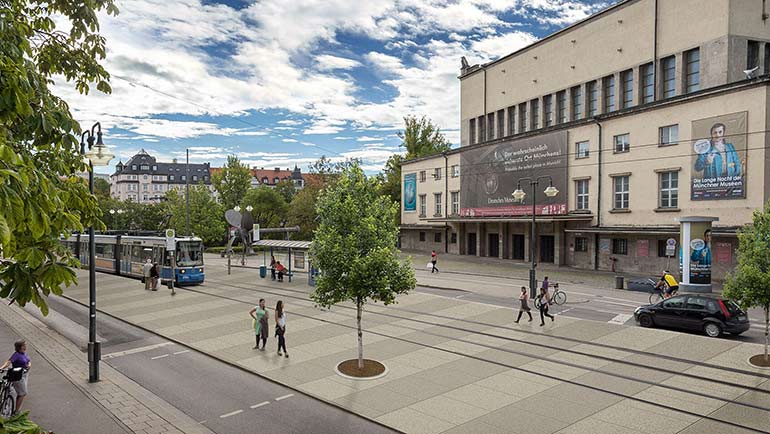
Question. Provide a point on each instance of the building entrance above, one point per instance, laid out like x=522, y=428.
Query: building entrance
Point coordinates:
x=494, y=245
x=518, y=247
x=471, y=244
x=547, y=252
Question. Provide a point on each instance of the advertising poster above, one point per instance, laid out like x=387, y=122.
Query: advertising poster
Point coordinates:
x=643, y=248
x=724, y=253
x=700, y=253
x=410, y=192
x=719, y=157
x=490, y=175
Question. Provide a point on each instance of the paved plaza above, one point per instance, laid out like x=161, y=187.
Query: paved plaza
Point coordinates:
x=462, y=367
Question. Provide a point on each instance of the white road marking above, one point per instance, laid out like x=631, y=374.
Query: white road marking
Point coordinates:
x=181, y=352
x=599, y=300
x=563, y=311
x=159, y=357
x=284, y=397
x=232, y=413
x=261, y=404
x=620, y=319
x=459, y=296
x=202, y=422
x=136, y=350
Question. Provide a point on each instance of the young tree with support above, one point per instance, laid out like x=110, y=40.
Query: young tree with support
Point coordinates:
x=355, y=250
x=749, y=284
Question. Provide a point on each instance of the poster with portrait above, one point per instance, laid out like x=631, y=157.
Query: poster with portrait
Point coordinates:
x=700, y=253
x=410, y=192
x=719, y=152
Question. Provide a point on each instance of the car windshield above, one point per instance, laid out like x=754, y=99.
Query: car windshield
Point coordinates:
x=189, y=253
x=732, y=307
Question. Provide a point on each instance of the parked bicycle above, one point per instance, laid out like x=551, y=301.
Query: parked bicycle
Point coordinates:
x=558, y=297
x=7, y=392
x=659, y=294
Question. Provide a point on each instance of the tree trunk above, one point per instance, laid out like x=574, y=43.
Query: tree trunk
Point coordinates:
x=767, y=328
x=359, y=309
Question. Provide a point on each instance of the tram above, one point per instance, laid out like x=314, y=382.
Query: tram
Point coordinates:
x=125, y=255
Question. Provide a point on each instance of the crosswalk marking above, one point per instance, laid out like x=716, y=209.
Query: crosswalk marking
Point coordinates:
x=136, y=350
x=620, y=318
x=158, y=357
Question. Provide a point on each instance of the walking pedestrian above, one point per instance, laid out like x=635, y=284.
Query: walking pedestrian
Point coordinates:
x=545, y=284
x=146, y=269
x=545, y=300
x=19, y=359
x=272, y=267
x=280, y=327
x=260, y=316
x=524, y=304
x=155, y=276
x=433, y=260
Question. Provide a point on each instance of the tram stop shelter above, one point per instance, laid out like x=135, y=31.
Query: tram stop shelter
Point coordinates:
x=297, y=254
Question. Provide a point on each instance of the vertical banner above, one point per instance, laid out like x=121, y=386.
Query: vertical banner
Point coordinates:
x=724, y=253
x=642, y=248
x=700, y=252
x=719, y=157
x=410, y=192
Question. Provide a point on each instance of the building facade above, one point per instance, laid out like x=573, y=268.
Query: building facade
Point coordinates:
x=144, y=180
x=644, y=113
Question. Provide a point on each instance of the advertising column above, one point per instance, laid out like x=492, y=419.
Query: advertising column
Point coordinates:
x=695, y=253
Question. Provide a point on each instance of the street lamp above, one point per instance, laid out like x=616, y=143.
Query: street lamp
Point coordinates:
x=519, y=196
x=237, y=208
x=97, y=155
x=249, y=208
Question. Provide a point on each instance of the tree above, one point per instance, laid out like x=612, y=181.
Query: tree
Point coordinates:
x=41, y=198
x=101, y=188
x=749, y=284
x=390, y=181
x=268, y=206
x=329, y=170
x=232, y=182
x=206, y=215
x=286, y=189
x=302, y=211
x=422, y=138
x=355, y=247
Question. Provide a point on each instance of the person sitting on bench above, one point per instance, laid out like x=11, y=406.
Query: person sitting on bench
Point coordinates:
x=280, y=269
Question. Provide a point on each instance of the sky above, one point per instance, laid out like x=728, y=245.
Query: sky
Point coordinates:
x=281, y=83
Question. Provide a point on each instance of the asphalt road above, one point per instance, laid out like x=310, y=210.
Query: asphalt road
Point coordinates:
x=225, y=399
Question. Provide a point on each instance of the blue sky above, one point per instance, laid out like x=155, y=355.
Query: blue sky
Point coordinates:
x=281, y=83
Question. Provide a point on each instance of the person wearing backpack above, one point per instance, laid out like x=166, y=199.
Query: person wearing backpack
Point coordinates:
x=544, y=300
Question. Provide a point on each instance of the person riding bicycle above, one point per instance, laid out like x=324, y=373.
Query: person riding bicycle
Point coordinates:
x=19, y=359
x=669, y=283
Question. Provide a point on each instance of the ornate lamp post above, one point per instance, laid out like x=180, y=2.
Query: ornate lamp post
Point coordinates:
x=97, y=154
x=519, y=195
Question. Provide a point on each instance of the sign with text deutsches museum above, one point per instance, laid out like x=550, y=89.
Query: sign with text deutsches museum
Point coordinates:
x=490, y=175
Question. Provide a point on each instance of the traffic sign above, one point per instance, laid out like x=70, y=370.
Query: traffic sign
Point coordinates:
x=255, y=233
x=670, y=247
x=170, y=239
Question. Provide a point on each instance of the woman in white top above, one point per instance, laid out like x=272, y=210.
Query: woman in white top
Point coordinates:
x=280, y=327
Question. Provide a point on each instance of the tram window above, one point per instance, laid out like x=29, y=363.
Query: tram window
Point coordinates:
x=105, y=251
x=190, y=254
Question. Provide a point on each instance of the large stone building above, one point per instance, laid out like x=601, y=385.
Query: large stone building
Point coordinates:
x=143, y=179
x=644, y=113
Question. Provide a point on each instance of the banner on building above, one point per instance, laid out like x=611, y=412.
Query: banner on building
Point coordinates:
x=719, y=157
x=410, y=192
x=491, y=173
x=700, y=252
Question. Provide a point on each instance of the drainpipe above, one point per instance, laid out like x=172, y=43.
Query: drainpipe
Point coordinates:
x=598, y=196
x=654, y=54
x=446, y=201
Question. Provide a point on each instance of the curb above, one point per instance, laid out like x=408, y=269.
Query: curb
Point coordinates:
x=239, y=367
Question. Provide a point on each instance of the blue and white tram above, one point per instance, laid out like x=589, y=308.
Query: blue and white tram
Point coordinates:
x=125, y=255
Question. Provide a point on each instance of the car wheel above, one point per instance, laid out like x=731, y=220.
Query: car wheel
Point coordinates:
x=712, y=330
x=645, y=320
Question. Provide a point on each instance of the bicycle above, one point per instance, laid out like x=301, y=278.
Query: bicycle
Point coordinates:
x=7, y=392
x=559, y=297
x=657, y=294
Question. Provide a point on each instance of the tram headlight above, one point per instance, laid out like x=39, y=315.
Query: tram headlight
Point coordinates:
x=200, y=270
x=182, y=271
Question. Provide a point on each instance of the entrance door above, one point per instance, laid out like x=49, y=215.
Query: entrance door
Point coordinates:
x=494, y=245
x=518, y=246
x=471, y=244
x=546, y=248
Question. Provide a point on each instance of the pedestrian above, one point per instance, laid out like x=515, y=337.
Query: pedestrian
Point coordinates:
x=272, y=267
x=146, y=269
x=280, y=328
x=545, y=300
x=281, y=270
x=545, y=283
x=433, y=260
x=524, y=304
x=19, y=359
x=155, y=276
x=260, y=316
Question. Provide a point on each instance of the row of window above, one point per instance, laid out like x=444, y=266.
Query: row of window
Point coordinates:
x=668, y=135
x=752, y=56
x=525, y=116
x=438, y=205
x=668, y=192
x=619, y=246
x=155, y=168
x=454, y=171
x=437, y=237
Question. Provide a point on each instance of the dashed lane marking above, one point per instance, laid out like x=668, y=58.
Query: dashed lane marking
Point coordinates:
x=232, y=413
x=284, y=397
x=261, y=404
x=136, y=350
x=181, y=352
x=159, y=357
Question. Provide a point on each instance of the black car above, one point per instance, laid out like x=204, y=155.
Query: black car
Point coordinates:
x=709, y=313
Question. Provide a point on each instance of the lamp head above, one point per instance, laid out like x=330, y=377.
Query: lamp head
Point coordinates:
x=249, y=208
x=99, y=154
x=551, y=191
x=519, y=194
x=237, y=208
x=112, y=211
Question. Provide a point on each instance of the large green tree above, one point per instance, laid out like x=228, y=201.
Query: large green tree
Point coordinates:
x=302, y=211
x=206, y=214
x=749, y=284
x=268, y=205
x=232, y=182
x=354, y=247
x=41, y=198
x=101, y=188
x=286, y=189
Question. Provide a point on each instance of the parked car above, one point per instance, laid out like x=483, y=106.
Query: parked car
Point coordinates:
x=709, y=313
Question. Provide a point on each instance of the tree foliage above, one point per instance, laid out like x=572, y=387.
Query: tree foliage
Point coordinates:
x=286, y=189
x=40, y=196
x=302, y=212
x=421, y=138
x=269, y=206
x=355, y=247
x=749, y=283
x=101, y=188
x=206, y=215
x=232, y=182
x=134, y=216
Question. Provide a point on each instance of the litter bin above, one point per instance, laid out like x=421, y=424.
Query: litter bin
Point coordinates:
x=262, y=271
x=618, y=282
x=311, y=276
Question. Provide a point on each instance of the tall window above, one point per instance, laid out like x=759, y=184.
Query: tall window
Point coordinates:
x=548, y=105
x=669, y=135
x=581, y=194
x=482, y=130
x=455, y=197
x=437, y=173
x=582, y=149
x=692, y=79
x=648, y=83
x=455, y=169
x=577, y=103
x=472, y=131
x=422, y=205
x=669, y=189
x=535, y=109
x=609, y=93
x=561, y=99
x=422, y=177
x=668, y=64
x=619, y=246
x=511, y=120
x=581, y=244
x=422, y=236
x=622, y=143
x=437, y=199
x=523, y=118
x=627, y=77
x=490, y=126
x=593, y=98
x=500, y=123
x=752, y=55
x=621, y=192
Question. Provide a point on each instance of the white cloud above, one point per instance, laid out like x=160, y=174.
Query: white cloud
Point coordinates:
x=498, y=46
x=368, y=139
x=289, y=140
x=327, y=62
